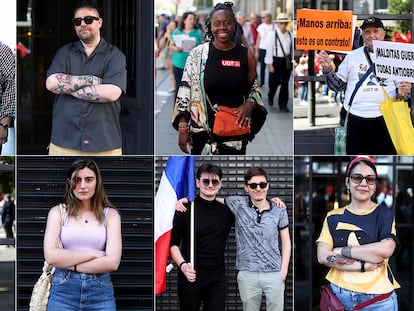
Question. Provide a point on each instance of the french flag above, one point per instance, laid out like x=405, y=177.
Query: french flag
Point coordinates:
x=177, y=181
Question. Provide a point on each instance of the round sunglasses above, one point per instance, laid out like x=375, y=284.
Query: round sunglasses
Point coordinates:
x=214, y=182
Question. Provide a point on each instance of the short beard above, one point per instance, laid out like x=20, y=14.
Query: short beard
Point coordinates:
x=87, y=39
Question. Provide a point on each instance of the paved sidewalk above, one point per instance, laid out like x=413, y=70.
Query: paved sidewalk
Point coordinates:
x=317, y=139
x=275, y=138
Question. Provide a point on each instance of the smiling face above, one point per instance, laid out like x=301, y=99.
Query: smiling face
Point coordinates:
x=88, y=33
x=222, y=26
x=257, y=194
x=83, y=184
x=361, y=191
x=209, y=185
x=371, y=33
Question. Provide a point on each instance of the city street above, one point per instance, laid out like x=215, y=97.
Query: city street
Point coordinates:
x=275, y=138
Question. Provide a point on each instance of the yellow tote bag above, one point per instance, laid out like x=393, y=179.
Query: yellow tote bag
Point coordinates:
x=399, y=125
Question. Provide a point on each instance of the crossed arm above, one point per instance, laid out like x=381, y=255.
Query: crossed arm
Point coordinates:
x=86, y=261
x=85, y=87
x=373, y=254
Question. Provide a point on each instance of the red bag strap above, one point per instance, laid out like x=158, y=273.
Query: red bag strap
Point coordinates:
x=373, y=300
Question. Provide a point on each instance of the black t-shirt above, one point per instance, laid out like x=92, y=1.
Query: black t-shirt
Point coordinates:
x=226, y=76
x=213, y=222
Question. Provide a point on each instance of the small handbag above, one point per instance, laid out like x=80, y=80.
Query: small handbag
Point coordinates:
x=225, y=122
x=329, y=301
x=41, y=289
x=287, y=57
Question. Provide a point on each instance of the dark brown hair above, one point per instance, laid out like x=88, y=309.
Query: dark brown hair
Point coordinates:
x=99, y=199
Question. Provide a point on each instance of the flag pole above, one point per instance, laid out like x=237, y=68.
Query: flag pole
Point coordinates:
x=192, y=243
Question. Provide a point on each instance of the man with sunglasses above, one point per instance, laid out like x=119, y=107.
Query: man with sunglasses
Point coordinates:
x=212, y=225
x=259, y=227
x=206, y=282
x=88, y=76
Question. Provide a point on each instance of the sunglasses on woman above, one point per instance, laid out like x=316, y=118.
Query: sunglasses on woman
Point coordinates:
x=254, y=185
x=87, y=19
x=358, y=178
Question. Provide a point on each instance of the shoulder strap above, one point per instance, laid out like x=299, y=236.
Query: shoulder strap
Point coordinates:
x=280, y=42
x=358, y=85
x=372, y=300
x=62, y=208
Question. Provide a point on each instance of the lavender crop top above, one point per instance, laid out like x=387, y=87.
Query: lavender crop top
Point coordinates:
x=89, y=238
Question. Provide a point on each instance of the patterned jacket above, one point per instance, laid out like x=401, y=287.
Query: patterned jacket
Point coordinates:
x=191, y=99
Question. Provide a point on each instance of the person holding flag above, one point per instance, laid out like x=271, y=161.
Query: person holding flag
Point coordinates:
x=177, y=181
x=212, y=223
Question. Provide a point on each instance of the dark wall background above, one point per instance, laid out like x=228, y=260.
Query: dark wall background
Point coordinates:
x=280, y=170
x=43, y=27
x=128, y=182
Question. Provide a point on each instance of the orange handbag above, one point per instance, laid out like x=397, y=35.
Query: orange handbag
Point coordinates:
x=225, y=122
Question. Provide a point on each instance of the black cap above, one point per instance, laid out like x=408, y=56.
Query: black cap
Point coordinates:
x=372, y=21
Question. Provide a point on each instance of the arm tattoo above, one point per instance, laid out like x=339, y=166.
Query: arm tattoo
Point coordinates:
x=340, y=260
x=88, y=93
x=68, y=84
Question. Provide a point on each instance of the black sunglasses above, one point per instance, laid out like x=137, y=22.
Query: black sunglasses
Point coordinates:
x=358, y=178
x=206, y=182
x=87, y=19
x=254, y=185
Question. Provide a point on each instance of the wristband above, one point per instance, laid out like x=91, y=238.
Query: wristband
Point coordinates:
x=362, y=266
x=182, y=264
x=346, y=251
x=183, y=129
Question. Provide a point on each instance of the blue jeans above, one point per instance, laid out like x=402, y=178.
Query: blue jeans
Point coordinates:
x=350, y=299
x=304, y=91
x=81, y=291
x=253, y=284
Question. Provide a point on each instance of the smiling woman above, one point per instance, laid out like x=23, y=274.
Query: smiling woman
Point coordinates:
x=227, y=80
x=357, y=241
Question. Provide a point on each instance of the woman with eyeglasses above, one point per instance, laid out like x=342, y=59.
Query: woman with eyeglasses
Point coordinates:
x=357, y=241
x=83, y=242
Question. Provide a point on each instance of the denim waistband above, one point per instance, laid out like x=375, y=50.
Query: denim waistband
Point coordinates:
x=80, y=275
